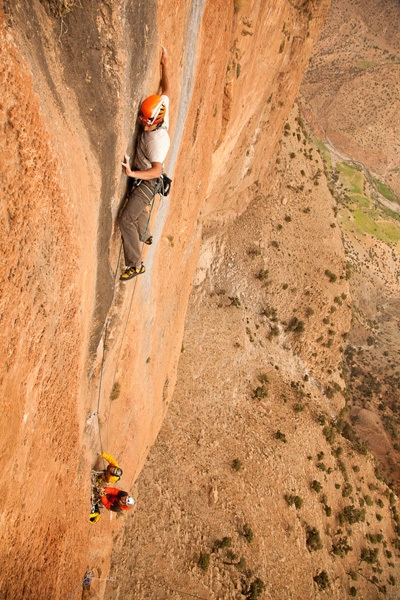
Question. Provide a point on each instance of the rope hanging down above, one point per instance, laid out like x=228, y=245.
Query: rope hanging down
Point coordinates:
x=159, y=188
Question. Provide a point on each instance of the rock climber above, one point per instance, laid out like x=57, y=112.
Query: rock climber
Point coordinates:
x=152, y=148
x=113, y=471
x=116, y=500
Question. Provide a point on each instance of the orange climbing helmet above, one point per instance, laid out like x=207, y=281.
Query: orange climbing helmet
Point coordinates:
x=152, y=111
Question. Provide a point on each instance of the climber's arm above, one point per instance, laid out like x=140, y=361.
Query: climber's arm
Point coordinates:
x=153, y=173
x=164, y=84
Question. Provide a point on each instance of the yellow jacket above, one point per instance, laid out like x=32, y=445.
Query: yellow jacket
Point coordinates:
x=107, y=477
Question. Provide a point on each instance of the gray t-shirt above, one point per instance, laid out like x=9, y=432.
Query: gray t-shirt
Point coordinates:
x=153, y=146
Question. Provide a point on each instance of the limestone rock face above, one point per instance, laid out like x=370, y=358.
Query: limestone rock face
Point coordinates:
x=90, y=364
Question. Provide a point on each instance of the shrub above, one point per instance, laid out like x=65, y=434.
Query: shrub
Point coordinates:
x=316, y=486
x=234, y=301
x=226, y=542
x=331, y=276
x=256, y=588
x=295, y=325
x=281, y=436
x=322, y=580
x=270, y=313
x=241, y=565
x=296, y=500
x=274, y=331
x=353, y=591
x=236, y=464
x=260, y=392
x=204, y=561
x=329, y=433
x=248, y=533
x=60, y=8
x=262, y=274
x=254, y=251
x=347, y=490
x=313, y=539
x=369, y=555
x=353, y=515
x=116, y=390
x=341, y=547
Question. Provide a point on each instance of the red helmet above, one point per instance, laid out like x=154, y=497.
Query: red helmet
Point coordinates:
x=152, y=111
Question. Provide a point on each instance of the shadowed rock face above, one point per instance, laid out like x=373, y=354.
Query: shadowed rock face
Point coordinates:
x=71, y=84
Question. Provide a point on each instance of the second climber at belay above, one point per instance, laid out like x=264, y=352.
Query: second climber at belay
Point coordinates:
x=152, y=148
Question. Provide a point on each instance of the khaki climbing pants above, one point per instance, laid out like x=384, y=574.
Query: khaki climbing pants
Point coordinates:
x=133, y=221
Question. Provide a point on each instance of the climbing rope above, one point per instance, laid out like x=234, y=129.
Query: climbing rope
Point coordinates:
x=143, y=238
x=158, y=187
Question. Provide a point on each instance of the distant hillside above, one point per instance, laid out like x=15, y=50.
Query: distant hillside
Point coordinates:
x=351, y=92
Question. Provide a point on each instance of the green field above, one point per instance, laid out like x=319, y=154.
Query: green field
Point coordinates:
x=385, y=190
x=369, y=217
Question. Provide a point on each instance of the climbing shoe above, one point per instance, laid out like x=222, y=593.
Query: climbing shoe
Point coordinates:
x=149, y=240
x=131, y=272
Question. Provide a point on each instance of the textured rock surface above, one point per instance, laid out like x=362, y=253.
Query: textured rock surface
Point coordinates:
x=71, y=83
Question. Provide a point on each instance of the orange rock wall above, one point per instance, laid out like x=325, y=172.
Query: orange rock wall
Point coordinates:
x=68, y=107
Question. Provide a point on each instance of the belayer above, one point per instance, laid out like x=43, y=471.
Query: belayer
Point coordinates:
x=152, y=148
x=116, y=500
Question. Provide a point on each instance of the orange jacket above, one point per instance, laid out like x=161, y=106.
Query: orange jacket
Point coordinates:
x=111, y=499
